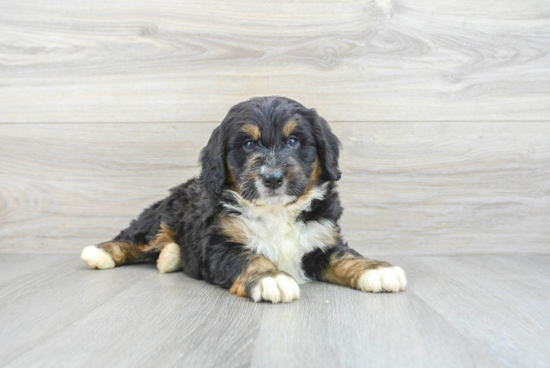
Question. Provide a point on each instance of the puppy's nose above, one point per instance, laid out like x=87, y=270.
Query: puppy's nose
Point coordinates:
x=273, y=180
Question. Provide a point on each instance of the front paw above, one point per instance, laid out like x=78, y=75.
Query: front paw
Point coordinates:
x=279, y=288
x=392, y=279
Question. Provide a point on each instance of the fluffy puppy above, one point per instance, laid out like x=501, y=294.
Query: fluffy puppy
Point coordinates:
x=261, y=218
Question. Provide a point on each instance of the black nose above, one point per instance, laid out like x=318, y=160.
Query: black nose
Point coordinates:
x=273, y=180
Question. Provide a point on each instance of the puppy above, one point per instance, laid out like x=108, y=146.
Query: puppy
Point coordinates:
x=261, y=218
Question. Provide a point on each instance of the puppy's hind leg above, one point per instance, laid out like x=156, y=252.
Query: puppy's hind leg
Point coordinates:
x=118, y=252
x=112, y=253
x=96, y=257
x=170, y=258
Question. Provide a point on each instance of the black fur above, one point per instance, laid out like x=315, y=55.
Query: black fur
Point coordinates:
x=327, y=143
x=212, y=160
x=192, y=210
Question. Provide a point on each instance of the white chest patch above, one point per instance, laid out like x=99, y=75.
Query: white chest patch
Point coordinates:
x=272, y=230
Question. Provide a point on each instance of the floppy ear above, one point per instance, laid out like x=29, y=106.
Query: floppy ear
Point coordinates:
x=328, y=146
x=213, y=163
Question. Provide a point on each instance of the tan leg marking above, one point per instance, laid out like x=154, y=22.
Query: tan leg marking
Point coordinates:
x=124, y=252
x=264, y=281
x=365, y=274
x=121, y=252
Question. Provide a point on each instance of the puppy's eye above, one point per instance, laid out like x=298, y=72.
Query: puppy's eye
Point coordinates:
x=293, y=142
x=249, y=145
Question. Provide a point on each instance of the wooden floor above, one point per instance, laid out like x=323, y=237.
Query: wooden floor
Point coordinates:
x=459, y=311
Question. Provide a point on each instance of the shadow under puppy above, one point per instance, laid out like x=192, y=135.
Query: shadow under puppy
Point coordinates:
x=263, y=215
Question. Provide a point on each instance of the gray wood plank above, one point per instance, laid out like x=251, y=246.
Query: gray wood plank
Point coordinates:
x=334, y=326
x=505, y=313
x=162, y=320
x=14, y=267
x=40, y=305
x=459, y=311
x=421, y=188
x=122, y=61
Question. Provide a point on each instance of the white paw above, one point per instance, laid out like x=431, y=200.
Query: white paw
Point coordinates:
x=280, y=288
x=97, y=258
x=383, y=279
x=169, y=258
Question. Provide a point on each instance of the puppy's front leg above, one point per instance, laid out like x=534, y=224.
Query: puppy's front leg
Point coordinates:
x=262, y=280
x=342, y=265
x=256, y=277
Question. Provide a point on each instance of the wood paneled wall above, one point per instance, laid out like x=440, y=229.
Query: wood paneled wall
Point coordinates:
x=443, y=108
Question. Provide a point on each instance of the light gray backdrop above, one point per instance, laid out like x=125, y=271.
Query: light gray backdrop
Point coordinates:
x=442, y=107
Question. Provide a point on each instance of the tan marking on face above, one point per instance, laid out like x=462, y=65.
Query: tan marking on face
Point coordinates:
x=312, y=183
x=248, y=173
x=315, y=173
x=292, y=173
x=230, y=178
x=252, y=130
x=289, y=128
x=251, y=159
x=295, y=168
x=258, y=267
x=348, y=269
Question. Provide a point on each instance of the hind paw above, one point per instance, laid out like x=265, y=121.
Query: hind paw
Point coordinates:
x=97, y=258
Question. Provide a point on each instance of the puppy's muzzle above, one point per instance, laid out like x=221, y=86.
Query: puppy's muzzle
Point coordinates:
x=273, y=180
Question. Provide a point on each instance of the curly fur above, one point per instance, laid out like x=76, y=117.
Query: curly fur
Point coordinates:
x=239, y=228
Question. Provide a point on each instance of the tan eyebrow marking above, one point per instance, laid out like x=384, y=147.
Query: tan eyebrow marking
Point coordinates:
x=289, y=127
x=252, y=130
